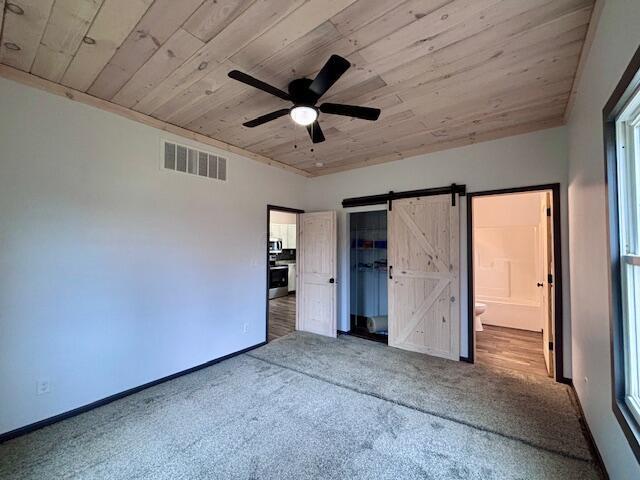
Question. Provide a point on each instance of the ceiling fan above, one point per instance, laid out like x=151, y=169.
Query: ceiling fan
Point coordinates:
x=304, y=93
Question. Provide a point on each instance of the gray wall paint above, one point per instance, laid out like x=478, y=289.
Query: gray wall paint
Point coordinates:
x=617, y=37
x=114, y=273
x=523, y=160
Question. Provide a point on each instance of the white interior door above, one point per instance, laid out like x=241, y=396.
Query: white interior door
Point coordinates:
x=317, y=252
x=546, y=241
x=424, y=251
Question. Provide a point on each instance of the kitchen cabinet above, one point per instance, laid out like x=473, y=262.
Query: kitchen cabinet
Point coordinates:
x=287, y=233
x=276, y=231
x=291, y=236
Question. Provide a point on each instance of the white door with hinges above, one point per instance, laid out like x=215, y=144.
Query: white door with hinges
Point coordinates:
x=424, y=286
x=547, y=288
x=317, y=264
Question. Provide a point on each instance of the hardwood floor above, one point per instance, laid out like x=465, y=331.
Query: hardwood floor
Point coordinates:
x=500, y=347
x=511, y=349
x=282, y=316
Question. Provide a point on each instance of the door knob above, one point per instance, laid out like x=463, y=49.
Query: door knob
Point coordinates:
x=540, y=284
x=332, y=280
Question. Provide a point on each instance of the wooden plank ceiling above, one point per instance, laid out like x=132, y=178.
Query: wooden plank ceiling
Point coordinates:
x=445, y=73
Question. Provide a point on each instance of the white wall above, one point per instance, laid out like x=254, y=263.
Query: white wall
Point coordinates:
x=114, y=273
x=523, y=160
x=617, y=37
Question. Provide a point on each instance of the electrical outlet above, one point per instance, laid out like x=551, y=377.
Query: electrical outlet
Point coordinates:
x=245, y=327
x=43, y=386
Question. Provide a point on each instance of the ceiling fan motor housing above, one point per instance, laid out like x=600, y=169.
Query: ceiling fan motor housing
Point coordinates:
x=301, y=94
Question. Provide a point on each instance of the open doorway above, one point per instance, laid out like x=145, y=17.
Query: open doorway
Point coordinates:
x=515, y=296
x=368, y=275
x=281, y=271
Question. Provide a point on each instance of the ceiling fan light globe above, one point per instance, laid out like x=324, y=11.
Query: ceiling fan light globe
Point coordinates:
x=304, y=115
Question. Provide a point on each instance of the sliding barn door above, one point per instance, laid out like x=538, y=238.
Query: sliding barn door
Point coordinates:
x=424, y=304
x=317, y=248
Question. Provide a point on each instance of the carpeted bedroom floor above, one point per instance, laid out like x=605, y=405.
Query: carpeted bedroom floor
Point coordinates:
x=307, y=407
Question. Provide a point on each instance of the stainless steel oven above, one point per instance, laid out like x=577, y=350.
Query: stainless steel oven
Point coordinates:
x=278, y=281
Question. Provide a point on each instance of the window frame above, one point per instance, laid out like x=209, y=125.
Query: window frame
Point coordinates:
x=627, y=87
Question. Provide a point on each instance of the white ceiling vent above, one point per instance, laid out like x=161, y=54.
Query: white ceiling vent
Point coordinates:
x=182, y=158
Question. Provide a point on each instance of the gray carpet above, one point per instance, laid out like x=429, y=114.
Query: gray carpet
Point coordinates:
x=306, y=407
x=532, y=409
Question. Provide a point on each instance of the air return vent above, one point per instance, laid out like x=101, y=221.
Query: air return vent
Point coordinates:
x=182, y=158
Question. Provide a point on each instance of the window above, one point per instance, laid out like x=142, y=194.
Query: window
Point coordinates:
x=628, y=154
x=622, y=150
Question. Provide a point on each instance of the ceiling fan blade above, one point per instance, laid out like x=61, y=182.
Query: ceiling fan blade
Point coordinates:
x=259, y=84
x=315, y=132
x=365, y=113
x=329, y=74
x=266, y=118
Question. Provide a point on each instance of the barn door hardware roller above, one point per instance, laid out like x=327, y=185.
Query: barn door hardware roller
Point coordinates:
x=388, y=198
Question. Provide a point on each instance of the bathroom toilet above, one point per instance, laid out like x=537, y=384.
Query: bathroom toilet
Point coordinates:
x=479, y=308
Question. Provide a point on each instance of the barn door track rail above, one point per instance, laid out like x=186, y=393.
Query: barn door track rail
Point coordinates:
x=453, y=189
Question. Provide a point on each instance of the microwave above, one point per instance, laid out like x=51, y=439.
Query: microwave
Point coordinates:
x=275, y=245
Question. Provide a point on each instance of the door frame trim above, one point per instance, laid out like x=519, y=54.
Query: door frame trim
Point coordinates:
x=269, y=209
x=557, y=274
